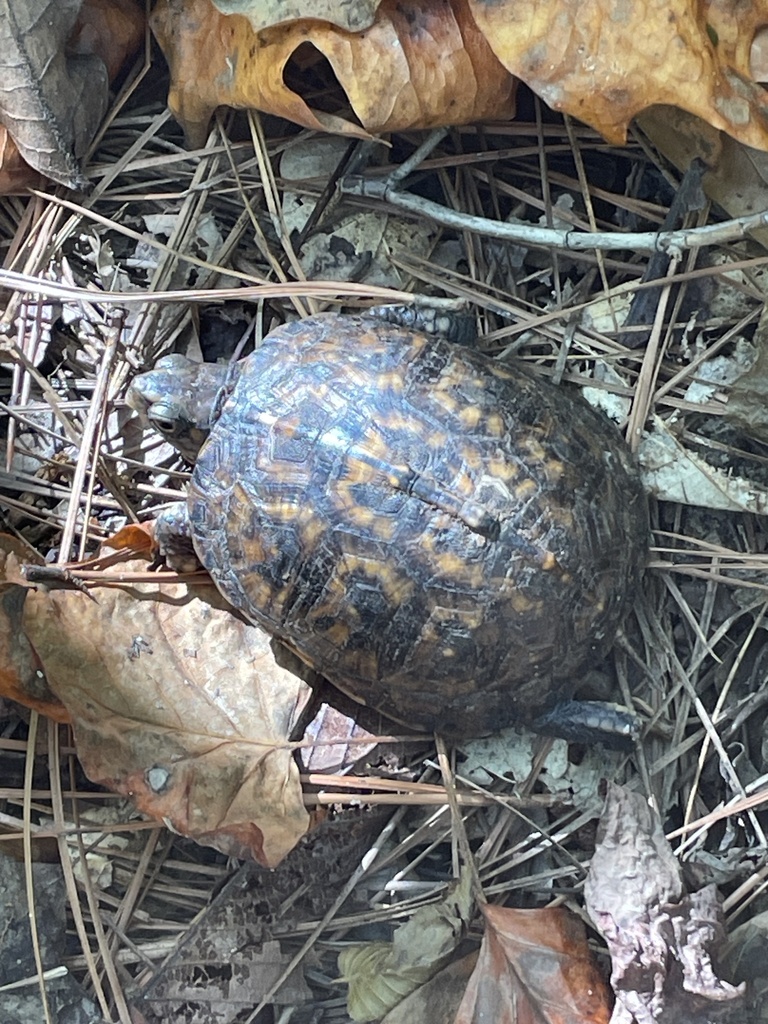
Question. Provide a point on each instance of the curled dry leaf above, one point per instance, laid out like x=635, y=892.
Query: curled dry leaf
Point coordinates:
x=180, y=705
x=604, y=64
x=436, y=62
x=421, y=63
x=56, y=60
x=534, y=965
x=660, y=940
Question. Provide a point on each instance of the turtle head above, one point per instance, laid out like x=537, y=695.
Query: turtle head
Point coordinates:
x=179, y=399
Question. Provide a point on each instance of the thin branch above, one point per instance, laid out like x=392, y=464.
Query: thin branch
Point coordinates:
x=672, y=242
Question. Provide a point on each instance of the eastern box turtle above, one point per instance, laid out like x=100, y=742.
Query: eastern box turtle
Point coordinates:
x=447, y=538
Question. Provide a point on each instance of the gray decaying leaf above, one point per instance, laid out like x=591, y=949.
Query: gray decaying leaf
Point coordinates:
x=227, y=960
x=51, y=101
x=353, y=15
x=659, y=938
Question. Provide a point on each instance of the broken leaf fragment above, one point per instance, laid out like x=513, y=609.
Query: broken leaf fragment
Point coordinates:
x=676, y=473
x=180, y=705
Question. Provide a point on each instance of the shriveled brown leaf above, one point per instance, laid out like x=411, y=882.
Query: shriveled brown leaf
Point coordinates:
x=57, y=59
x=421, y=63
x=180, y=705
x=534, y=965
x=661, y=941
x=435, y=62
x=604, y=64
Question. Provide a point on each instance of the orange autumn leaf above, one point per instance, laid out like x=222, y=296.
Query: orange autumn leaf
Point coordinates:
x=419, y=64
x=605, y=63
x=135, y=537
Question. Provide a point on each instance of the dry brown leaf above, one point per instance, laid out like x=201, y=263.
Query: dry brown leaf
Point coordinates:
x=534, y=965
x=604, y=63
x=16, y=176
x=136, y=537
x=21, y=676
x=181, y=706
x=421, y=63
x=436, y=62
x=661, y=941
x=113, y=30
x=57, y=60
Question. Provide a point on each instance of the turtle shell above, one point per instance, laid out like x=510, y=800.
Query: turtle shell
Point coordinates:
x=447, y=538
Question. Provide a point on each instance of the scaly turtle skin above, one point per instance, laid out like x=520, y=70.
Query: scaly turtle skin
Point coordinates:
x=446, y=538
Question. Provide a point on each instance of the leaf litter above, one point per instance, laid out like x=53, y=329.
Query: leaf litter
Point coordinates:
x=693, y=659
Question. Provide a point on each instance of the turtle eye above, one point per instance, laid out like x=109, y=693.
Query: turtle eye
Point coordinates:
x=163, y=424
x=166, y=418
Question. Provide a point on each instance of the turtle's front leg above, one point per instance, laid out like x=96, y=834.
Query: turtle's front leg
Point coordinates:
x=174, y=538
